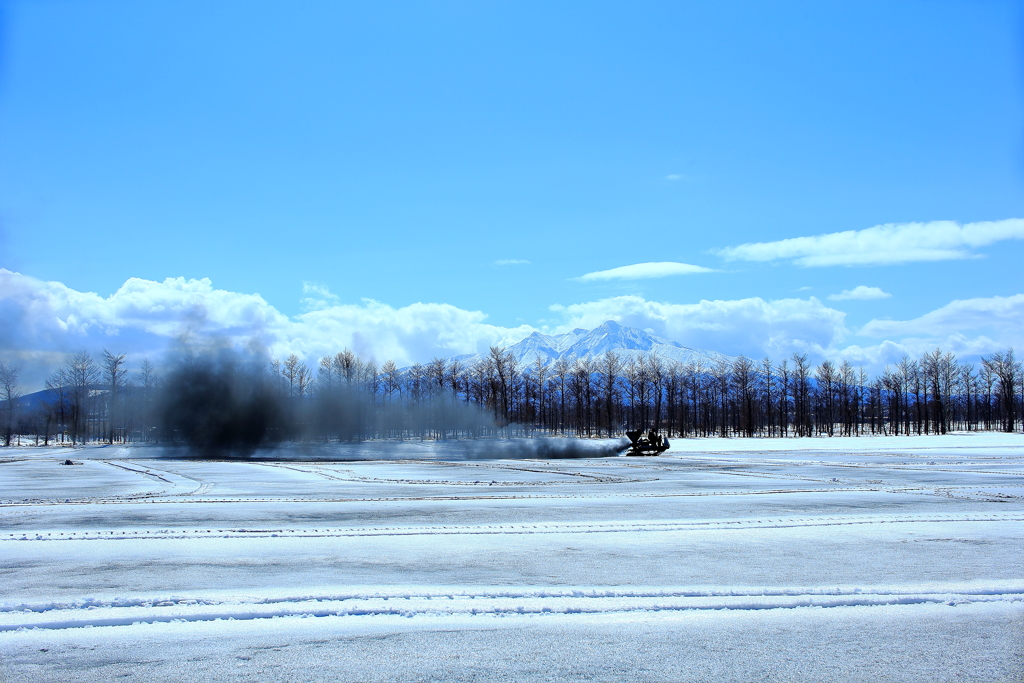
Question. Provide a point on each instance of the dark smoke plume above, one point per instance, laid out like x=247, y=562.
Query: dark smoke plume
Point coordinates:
x=217, y=403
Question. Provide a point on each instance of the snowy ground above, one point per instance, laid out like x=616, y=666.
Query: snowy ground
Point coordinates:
x=819, y=559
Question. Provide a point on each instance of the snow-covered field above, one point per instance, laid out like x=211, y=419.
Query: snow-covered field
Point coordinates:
x=728, y=559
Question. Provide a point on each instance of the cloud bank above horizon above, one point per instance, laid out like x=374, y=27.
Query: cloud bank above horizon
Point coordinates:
x=48, y=320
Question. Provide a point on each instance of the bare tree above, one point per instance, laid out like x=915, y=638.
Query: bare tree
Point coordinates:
x=561, y=373
x=325, y=374
x=743, y=378
x=656, y=376
x=579, y=386
x=114, y=374
x=505, y=367
x=633, y=375
x=721, y=374
x=847, y=384
x=1006, y=369
x=9, y=394
x=801, y=395
x=304, y=381
x=83, y=375
x=455, y=379
x=609, y=369
x=826, y=393
x=392, y=379
x=346, y=366
x=290, y=371
x=540, y=374
x=910, y=382
x=59, y=399
x=147, y=380
x=767, y=390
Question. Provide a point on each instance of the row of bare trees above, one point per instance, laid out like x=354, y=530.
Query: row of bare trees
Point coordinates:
x=84, y=401
x=740, y=397
x=344, y=397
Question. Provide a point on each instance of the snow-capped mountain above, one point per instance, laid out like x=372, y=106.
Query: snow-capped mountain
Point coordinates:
x=626, y=342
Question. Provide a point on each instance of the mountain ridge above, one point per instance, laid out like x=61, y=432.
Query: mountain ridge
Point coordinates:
x=627, y=342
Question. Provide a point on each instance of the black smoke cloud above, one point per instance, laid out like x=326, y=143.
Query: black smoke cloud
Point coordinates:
x=219, y=403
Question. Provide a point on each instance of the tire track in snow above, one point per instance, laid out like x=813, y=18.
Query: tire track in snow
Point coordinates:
x=511, y=529
x=897, y=467
x=581, y=477
x=515, y=603
x=179, y=498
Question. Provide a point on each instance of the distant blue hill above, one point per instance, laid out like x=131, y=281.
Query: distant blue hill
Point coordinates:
x=30, y=402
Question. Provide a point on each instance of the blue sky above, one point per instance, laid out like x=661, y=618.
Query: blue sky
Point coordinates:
x=489, y=158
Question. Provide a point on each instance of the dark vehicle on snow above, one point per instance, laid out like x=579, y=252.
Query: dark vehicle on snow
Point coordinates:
x=646, y=443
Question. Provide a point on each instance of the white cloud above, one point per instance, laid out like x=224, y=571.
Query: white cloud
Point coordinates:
x=44, y=321
x=889, y=352
x=511, y=262
x=883, y=244
x=639, y=271
x=860, y=293
x=752, y=326
x=999, y=314
x=969, y=328
x=675, y=177
x=407, y=334
x=777, y=328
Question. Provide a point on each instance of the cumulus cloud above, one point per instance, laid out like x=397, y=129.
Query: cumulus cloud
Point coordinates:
x=406, y=334
x=860, y=293
x=889, y=352
x=970, y=328
x=511, y=262
x=883, y=244
x=751, y=326
x=44, y=321
x=640, y=271
x=47, y=320
x=777, y=328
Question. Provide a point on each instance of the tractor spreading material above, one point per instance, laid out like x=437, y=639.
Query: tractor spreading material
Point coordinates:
x=646, y=443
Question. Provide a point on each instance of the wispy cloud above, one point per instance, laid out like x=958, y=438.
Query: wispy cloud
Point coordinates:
x=882, y=245
x=315, y=296
x=1003, y=314
x=511, y=262
x=860, y=293
x=676, y=177
x=642, y=271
